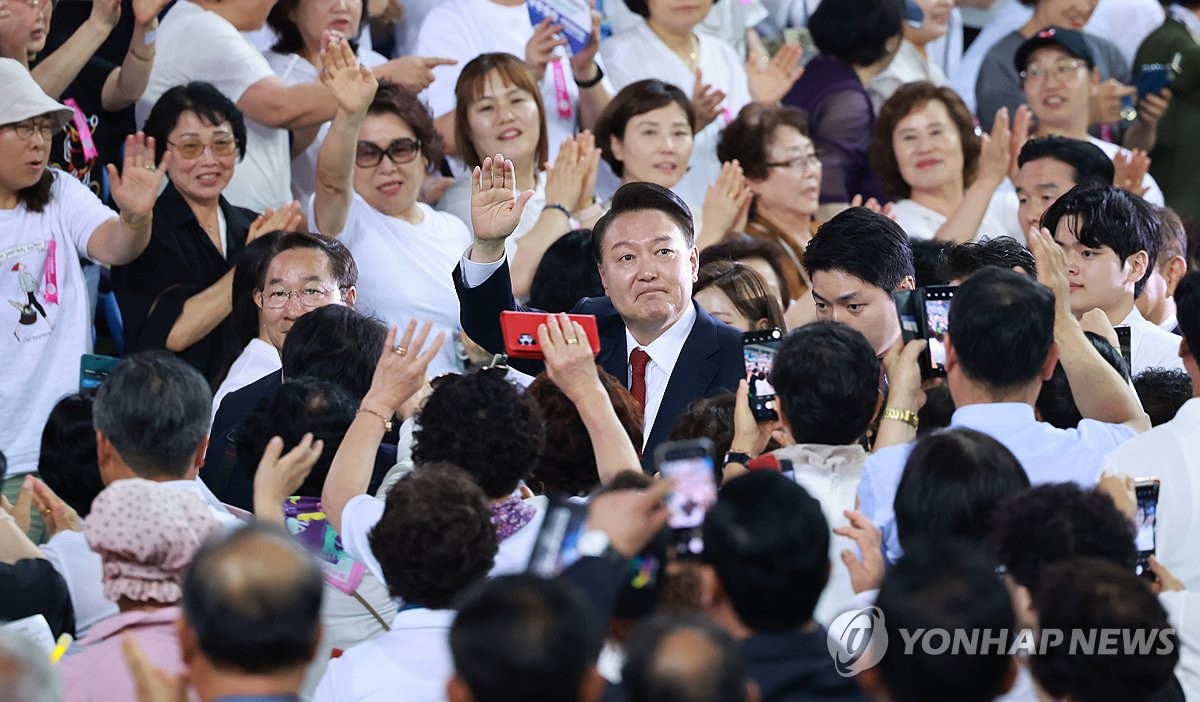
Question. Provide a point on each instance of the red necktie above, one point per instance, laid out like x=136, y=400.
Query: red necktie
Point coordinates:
x=637, y=363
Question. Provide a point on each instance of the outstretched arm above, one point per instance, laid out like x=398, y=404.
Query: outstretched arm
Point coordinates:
x=353, y=86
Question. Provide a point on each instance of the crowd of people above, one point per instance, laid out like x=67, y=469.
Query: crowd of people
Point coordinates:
x=262, y=440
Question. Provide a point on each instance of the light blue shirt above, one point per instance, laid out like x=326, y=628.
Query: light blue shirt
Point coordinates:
x=1048, y=454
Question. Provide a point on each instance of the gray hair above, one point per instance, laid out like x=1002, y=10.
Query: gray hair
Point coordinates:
x=154, y=409
x=25, y=671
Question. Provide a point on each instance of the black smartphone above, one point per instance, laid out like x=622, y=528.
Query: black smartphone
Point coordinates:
x=557, y=544
x=692, y=465
x=93, y=369
x=758, y=352
x=1125, y=344
x=1152, y=78
x=1145, y=522
x=936, y=312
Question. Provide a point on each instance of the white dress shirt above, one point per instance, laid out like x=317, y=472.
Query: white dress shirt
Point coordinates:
x=664, y=354
x=1151, y=346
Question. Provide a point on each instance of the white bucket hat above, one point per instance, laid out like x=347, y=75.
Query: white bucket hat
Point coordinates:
x=24, y=98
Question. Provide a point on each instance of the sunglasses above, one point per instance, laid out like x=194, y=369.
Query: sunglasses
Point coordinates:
x=400, y=151
x=193, y=148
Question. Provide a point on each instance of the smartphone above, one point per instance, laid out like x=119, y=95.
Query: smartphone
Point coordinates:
x=93, y=369
x=692, y=465
x=1125, y=345
x=557, y=544
x=758, y=352
x=1152, y=78
x=913, y=15
x=936, y=312
x=1145, y=521
x=519, y=330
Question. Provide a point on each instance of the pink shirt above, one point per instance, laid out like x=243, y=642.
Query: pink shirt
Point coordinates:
x=95, y=669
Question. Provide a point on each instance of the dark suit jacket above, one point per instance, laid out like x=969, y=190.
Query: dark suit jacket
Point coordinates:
x=709, y=364
x=795, y=666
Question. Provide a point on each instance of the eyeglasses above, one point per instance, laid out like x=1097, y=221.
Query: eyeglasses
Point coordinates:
x=400, y=151
x=807, y=162
x=277, y=298
x=1061, y=70
x=194, y=148
x=25, y=130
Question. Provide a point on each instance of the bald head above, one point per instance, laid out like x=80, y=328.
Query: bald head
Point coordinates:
x=683, y=659
x=253, y=600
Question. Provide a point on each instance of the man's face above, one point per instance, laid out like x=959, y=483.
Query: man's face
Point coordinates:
x=648, y=267
x=1098, y=279
x=843, y=298
x=1039, y=183
x=1058, y=88
x=303, y=276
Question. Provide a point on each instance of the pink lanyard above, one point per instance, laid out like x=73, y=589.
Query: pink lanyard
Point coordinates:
x=562, y=97
x=85, y=132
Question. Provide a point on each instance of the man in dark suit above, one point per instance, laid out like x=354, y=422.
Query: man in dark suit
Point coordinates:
x=652, y=335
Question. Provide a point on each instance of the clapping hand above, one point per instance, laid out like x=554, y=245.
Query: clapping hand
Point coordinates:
x=540, y=48
x=706, y=100
x=146, y=11
x=352, y=85
x=770, y=78
x=401, y=369
x=582, y=62
x=58, y=515
x=726, y=204
x=287, y=218
x=1129, y=170
x=135, y=188
x=865, y=574
x=496, y=207
x=995, y=157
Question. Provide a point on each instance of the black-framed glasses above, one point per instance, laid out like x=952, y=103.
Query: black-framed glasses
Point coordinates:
x=807, y=162
x=25, y=130
x=400, y=151
x=193, y=148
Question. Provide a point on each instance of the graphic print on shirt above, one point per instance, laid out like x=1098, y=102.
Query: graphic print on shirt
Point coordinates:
x=29, y=283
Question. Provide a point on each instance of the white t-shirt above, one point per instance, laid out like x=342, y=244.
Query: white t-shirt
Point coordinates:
x=292, y=69
x=255, y=361
x=921, y=222
x=464, y=29
x=639, y=54
x=45, y=318
x=909, y=66
x=404, y=270
x=196, y=44
x=1151, y=346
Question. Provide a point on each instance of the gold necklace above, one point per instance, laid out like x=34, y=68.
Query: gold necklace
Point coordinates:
x=693, y=57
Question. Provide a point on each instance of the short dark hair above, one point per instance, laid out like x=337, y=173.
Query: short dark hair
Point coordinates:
x=566, y=274
x=506, y=430
x=520, y=637
x=707, y=417
x=826, y=376
x=1162, y=391
x=927, y=261
x=942, y=584
x=746, y=137
x=1187, y=310
x=745, y=288
x=635, y=99
x=714, y=674
x=952, y=484
x=1089, y=163
x=393, y=99
x=253, y=599
x=1105, y=215
x=337, y=344
x=855, y=31
x=436, y=537
x=250, y=269
x=640, y=197
x=907, y=99
x=861, y=243
x=1055, y=521
x=570, y=469
x=289, y=40
x=739, y=246
x=67, y=460
x=1001, y=327
x=768, y=542
x=642, y=7
x=961, y=260
x=301, y=405
x=1079, y=596
x=342, y=267
x=513, y=71
x=154, y=408
x=203, y=100
x=1056, y=402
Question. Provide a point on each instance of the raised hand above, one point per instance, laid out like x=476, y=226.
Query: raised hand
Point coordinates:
x=589, y=164
x=496, y=207
x=566, y=178
x=56, y=513
x=152, y=683
x=770, y=78
x=1019, y=134
x=146, y=11
x=539, y=50
x=865, y=574
x=1129, y=170
x=873, y=205
x=105, y=14
x=279, y=476
x=569, y=360
x=352, y=85
x=401, y=369
x=706, y=100
x=725, y=202
x=135, y=188
x=286, y=218
x=582, y=62
x=630, y=518
x=413, y=73
x=1051, y=266
x=994, y=154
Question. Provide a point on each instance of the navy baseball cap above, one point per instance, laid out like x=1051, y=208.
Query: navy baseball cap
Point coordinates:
x=1068, y=40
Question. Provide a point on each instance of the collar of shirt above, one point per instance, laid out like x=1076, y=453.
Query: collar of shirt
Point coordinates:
x=1134, y=318
x=664, y=353
x=993, y=414
x=1187, y=18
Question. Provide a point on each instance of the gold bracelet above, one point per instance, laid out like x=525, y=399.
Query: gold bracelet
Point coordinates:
x=137, y=222
x=387, y=421
x=143, y=59
x=907, y=416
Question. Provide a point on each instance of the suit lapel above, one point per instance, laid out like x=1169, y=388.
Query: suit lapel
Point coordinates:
x=694, y=372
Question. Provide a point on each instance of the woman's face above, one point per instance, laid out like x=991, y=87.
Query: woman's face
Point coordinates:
x=314, y=17
x=24, y=152
x=656, y=147
x=928, y=149
x=1072, y=14
x=934, y=24
x=23, y=33
x=504, y=119
x=388, y=186
x=202, y=157
x=793, y=182
x=678, y=15
x=715, y=302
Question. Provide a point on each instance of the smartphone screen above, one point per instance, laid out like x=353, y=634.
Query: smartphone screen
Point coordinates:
x=691, y=464
x=758, y=352
x=1145, y=521
x=557, y=544
x=937, y=321
x=93, y=369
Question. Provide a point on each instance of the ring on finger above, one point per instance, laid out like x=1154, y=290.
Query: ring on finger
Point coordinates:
x=401, y=351
x=149, y=167
x=572, y=341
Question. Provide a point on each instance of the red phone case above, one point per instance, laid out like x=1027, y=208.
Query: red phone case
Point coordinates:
x=520, y=333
